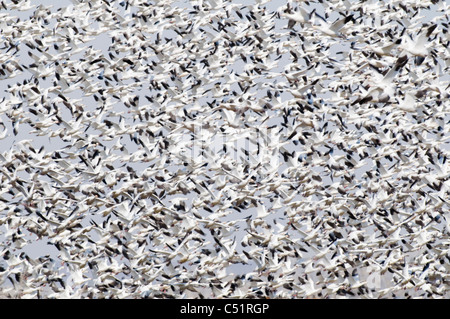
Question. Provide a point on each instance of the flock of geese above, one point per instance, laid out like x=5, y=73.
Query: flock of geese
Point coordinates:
x=225, y=149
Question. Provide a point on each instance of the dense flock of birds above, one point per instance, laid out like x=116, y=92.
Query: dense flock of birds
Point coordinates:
x=225, y=149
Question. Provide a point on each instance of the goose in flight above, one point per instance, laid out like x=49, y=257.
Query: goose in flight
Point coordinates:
x=218, y=149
